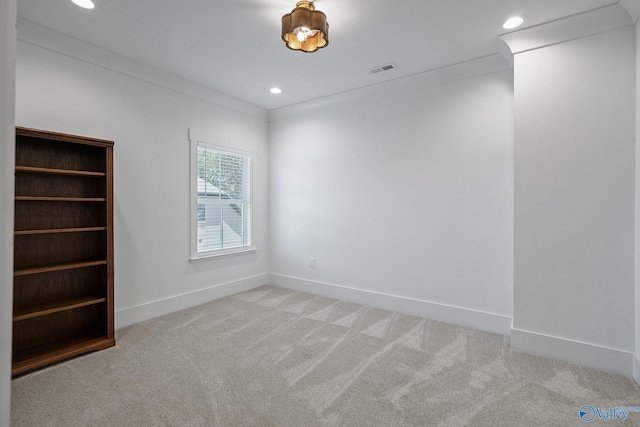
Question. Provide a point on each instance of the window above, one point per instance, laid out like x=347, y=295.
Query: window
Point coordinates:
x=221, y=196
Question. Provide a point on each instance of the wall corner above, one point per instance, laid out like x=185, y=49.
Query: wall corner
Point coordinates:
x=569, y=28
x=505, y=50
x=633, y=7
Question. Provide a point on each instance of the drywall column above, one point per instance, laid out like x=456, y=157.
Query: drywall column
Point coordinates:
x=7, y=165
x=575, y=196
x=636, y=359
x=633, y=7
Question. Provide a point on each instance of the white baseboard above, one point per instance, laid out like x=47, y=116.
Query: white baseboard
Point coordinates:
x=445, y=313
x=636, y=367
x=584, y=354
x=140, y=313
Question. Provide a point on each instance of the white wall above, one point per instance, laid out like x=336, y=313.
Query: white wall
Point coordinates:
x=7, y=164
x=574, y=200
x=636, y=361
x=149, y=125
x=407, y=193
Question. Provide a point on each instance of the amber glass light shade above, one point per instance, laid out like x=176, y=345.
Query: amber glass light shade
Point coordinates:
x=305, y=29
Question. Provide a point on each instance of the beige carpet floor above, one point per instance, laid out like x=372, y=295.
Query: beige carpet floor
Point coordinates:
x=276, y=357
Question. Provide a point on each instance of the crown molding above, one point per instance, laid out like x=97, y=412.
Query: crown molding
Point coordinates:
x=562, y=30
x=633, y=7
x=32, y=33
x=450, y=73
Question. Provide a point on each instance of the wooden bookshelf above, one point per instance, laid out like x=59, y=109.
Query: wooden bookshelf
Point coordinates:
x=63, y=248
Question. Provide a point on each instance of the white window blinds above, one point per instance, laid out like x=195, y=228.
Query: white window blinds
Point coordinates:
x=223, y=214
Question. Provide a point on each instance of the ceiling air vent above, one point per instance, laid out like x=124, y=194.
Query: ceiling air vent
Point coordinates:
x=386, y=67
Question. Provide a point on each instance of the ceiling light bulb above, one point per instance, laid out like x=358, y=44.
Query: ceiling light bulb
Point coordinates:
x=87, y=4
x=275, y=90
x=513, y=22
x=301, y=36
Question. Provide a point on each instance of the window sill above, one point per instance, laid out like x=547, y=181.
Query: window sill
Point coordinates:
x=241, y=251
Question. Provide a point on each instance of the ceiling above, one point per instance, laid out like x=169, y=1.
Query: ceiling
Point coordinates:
x=234, y=46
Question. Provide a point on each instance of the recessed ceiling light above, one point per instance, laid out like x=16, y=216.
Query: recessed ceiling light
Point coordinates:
x=275, y=90
x=87, y=4
x=513, y=22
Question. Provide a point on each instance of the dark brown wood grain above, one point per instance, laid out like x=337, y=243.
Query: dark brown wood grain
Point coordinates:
x=54, y=307
x=58, y=185
x=63, y=248
x=110, y=248
x=31, y=169
x=59, y=230
x=44, y=215
x=36, y=289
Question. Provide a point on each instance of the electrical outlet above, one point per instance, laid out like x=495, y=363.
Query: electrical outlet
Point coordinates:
x=312, y=262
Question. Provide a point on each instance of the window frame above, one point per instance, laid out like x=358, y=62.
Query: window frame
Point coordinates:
x=195, y=256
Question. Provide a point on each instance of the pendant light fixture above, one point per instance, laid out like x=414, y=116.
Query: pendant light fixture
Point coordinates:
x=305, y=28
